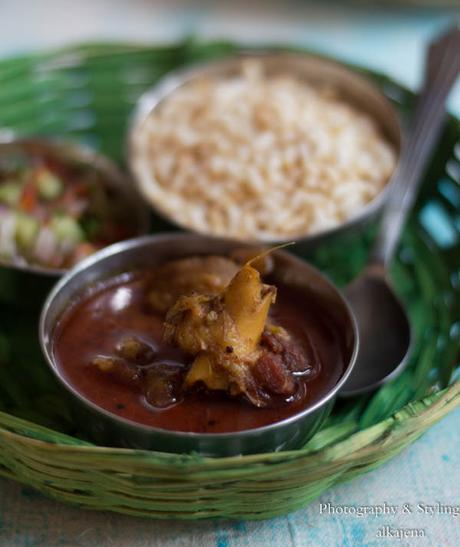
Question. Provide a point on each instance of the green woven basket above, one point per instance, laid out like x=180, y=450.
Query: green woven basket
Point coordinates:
x=87, y=93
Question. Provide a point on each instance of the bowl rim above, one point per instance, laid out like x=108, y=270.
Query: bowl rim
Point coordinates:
x=175, y=79
x=96, y=160
x=46, y=338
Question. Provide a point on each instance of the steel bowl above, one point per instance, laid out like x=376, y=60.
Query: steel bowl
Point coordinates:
x=27, y=285
x=109, y=429
x=352, y=87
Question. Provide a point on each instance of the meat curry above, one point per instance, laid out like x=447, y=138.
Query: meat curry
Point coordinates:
x=201, y=344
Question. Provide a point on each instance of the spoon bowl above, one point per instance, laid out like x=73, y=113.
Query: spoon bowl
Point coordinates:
x=381, y=318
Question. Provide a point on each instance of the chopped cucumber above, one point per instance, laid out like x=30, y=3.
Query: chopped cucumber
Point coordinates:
x=67, y=229
x=10, y=192
x=26, y=231
x=49, y=186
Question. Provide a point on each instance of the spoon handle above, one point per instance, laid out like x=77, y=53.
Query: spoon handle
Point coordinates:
x=442, y=66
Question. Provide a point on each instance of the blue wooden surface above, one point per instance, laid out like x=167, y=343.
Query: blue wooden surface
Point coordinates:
x=390, y=40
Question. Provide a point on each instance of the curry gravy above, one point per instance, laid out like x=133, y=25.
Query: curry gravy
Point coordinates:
x=95, y=323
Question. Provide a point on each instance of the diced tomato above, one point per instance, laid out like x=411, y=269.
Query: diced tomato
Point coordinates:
x=28, y=200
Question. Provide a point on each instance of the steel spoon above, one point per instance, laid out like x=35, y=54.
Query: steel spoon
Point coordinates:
x=384, y=328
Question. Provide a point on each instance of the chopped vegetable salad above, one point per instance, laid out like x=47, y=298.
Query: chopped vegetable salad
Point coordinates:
x=54, y=211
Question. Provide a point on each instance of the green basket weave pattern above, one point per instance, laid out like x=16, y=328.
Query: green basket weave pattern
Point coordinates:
x=87, y=93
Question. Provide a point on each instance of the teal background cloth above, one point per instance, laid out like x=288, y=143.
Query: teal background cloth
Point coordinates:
x=389, y=39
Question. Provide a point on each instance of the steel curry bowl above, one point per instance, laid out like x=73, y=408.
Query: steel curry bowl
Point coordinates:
x=106, y=428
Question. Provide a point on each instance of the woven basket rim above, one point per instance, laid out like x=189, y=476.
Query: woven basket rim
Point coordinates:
x=446, y=399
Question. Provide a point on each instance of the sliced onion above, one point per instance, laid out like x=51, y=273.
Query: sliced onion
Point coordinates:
x=8, y=235
x=46, y=247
